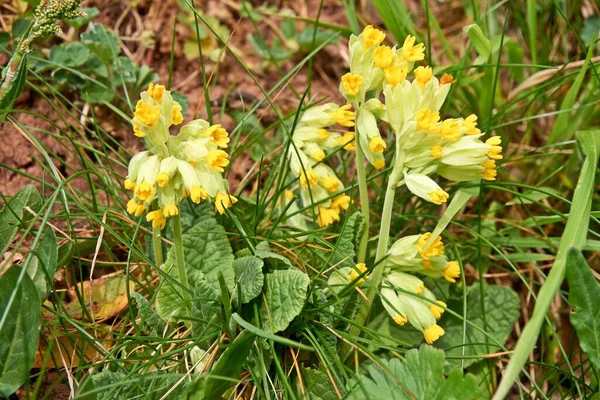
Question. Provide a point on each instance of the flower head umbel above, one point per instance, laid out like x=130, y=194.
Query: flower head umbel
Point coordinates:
x=318, y=185
x=189, y=164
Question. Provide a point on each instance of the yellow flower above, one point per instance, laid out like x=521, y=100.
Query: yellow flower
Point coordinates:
x=343, y=116
x=157, y=218
x=371, y=36
x=156, y=92
x=437, y=151
x=377, y=145
x=224, y=201
x=331, y=184
x=219, y=135
x=426, y=121
x=470, y=124
x=383, y=56
x=489, y=173
x=144, y=191
x=410, y=52
x=433, y=333
x=162, y=179
x=198, y=193
x=146, y=113
x=318, y=155
x=359, y=270
x=170, y=210
x=420, y=287
x=322, y=133
x=438, y=197
x=176, y=116
x=129, y=185
x=347, y=140
x=327, y=216
x=495, y=152
x=400, y=319
x=395, y=75
x=450, y=130
x=426, y=264
x=310, y=175
x=437, y=309
x=352, y=83
x=137, y=131
x=217, y=160
x=452, y=271
x=341, y=202
x=379, y=163
x=133, y=207
x=423, y=75
x=289, y=195
x=447, y=79
x=436, y=249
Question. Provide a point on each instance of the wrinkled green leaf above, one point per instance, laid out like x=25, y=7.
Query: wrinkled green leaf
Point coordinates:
x=285, y=295
x=207, y=253
x=305, y=39
x=263, y=252
x=317, y=385
x=419, y=376
x=226, y=371
x=102, y=42
x=19, y=328
x=501, y=308
x=584, y=296
x=343, y=256
x=591, y=29
x=150, y=320
x=249, y=277
x=69, y=54
x=13, y=215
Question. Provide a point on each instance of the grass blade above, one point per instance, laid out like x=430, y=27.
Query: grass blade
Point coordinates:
x=574, y=236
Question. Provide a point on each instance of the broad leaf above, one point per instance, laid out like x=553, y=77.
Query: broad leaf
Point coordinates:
x=20, y=319
x=207, y=253
x=584, y=296
x=42, y=266
x=12, y=90
x=343, y=256
x=102, y=42
x=69, y=55
x=151, y=322
x=226, y=371
x=501, y=309
x=419, y=376
x=317, y=385
x=13, y=214
x=249, y=277
x=285, y=295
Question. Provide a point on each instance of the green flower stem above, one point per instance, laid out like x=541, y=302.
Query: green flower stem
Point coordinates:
x=157, y=245
x=364, y=197
x=180, y=261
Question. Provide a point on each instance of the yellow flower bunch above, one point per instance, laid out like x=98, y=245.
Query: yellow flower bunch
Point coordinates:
x=318, y=184
x=189, y=164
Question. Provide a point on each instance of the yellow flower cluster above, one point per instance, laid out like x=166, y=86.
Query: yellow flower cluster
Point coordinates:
x=415, y=255
x=318, y=183
x=189, y=164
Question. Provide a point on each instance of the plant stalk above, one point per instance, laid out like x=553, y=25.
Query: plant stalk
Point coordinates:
x=180, y=261
x=364, y=199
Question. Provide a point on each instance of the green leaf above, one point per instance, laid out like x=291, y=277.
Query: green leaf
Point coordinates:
x=124, y=71
x=481, y=43
x=591, y=29
x=249, y=277
x=151, y=322
x=305, y=39
x=285, y=295
x=317, y=385
x=207, y=253
x=501, y=308
x=102, y=42
x=226, y=371
x=69, y=54
x=419, y=376
x=99, y=91
x=13, y=215
x=396, y=17
x=9, y=92
x=42, y=266
x=263, y=252
x=344, y=253
x=584, y=296
x=534, y=195
x=20, y=319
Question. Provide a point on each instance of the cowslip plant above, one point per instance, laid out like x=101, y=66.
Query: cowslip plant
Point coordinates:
x=424, y=144
x=174, y=167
